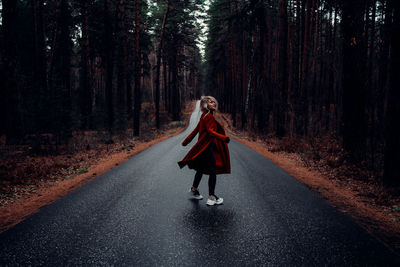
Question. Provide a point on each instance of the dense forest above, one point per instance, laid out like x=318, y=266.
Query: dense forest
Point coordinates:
x=309, y=69
x=69, y=65
x=284, y=68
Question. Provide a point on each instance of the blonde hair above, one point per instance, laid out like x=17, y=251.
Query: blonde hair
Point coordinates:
x=204, y=103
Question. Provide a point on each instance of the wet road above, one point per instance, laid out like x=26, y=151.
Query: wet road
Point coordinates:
x=139, y=214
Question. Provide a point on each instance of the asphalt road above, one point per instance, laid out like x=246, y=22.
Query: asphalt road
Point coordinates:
x=139, y=214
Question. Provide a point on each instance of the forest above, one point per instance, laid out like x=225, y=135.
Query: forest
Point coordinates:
x=288, y=69
x=312, y=69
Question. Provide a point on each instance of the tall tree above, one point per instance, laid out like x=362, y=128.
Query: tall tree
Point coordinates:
x=354, y=64
x=60, y=76
x=138, y=63
x=39, y=65
x=157, y=80
x=304, y=85
x=86, y=90
x=392, y=148
x=282, y=68
x=121, y=63
x=108, y=65
x=13, y=126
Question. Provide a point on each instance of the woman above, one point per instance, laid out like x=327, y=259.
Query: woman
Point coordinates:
x=210, y=155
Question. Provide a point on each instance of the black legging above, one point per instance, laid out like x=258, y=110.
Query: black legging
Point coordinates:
x=209, y=161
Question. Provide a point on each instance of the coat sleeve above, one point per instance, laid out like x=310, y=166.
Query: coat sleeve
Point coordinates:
x=211, y=127
x=191, y=135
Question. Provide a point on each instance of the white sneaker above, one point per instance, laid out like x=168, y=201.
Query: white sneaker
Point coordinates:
x=195, y=194
x=211, y=201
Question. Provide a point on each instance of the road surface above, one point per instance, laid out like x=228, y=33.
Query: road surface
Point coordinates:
x=139, y=214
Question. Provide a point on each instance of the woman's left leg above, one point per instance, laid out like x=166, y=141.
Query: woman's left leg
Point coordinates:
x=212, y=179
x=197, y=179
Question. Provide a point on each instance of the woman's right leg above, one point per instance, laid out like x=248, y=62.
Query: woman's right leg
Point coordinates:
x=196, y=182
x=212, y=180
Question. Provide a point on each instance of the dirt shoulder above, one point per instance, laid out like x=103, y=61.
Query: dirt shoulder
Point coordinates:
x=357, y=199
x=25, y=199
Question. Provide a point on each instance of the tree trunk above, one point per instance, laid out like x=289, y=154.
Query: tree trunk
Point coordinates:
x=60, y=107
x=233, y=71
x=13, y=127
x=313, y=97
x=109, y=66
x=86, y=90
x=383, y=67
x=39, y=65
x=165, y=83
x=128, y=68
x=304, y=90
x=137, y=93
x=159, y=66
x=121, y=54
x=353, y=80
x=392, y=156
x=282, y=67
x=370, y=87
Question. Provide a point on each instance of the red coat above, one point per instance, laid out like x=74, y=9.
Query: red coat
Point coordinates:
x=209, y=129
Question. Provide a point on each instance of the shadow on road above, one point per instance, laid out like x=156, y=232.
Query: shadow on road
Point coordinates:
x=215, y=217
